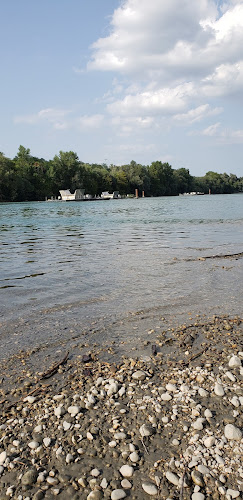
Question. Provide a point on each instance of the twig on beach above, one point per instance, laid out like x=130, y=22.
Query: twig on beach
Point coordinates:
x=145, y=447
x=54, y=368
x=182, y=483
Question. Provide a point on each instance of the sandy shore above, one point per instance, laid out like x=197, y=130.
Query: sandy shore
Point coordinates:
x=165, y=424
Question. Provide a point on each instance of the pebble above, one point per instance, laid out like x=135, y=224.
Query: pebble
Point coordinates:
x=126, y=484
x=234, y=361
x=146, y=430
x=172, y=478
x=33, y=445
x=29, y=477
x=139, y=375
x=218, y=389
x=233, y=493
x=117, y=494
x=73, y=410
x=150, y=488
x=134, y=457
x=232, y=433
x=94, y=495
x=197, y=496
x=3, y=457
x=126, y=470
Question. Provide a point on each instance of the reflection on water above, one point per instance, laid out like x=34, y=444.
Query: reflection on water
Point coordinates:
x=109, y=258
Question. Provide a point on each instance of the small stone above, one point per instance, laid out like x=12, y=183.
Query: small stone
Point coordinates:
x=172, y=478
x=59, y=411
x=166, y=396
x=126, y=484
x=209, y=441
x=33, y=445
x=197, y=478
x=218, y=389
x=146, y=430
x=234, y=361
x=203, y=469
x=233, y=493
x=117, y=494
x=150, y=488
x=95, y=472
x=113, y=388
x=29, y=477
x=198, y=424
x=3, y=457
x=139, y=375
x=94, y=495
x=73, y=410
x=66, y=425
x=197, y=496
x=126, y=470
x=69, y=458
x=47, y=442
x=232, y=433
x=134, y=457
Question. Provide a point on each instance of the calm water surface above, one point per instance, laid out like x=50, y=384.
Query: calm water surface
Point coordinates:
x=67, y=266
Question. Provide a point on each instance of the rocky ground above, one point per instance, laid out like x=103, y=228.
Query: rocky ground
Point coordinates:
x=166, y=425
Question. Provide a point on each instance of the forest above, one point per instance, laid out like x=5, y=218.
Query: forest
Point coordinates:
x=28, y=178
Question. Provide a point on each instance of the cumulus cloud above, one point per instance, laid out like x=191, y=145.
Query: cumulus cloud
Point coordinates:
x=61, y=119
x=56, y=117
x=172, y=57
x=197, y=114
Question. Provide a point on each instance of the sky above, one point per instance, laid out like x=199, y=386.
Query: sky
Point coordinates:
x=122, y=80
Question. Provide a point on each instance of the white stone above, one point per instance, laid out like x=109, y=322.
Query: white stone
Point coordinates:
x=113, y=388
x=233, y=493
x=69, y=458
x=47, y=442
x=230, y=376
x=120, y=436
x=172, y=478
x=126, y=470
x=30, y=399
x=3, y=457
x=202, y=392
x=208, y=413
x=95, y=472
x=139, y=375
x=73, y=410
x=112, y=444
x=104, y=483
x=203, y=469
x=33, y=445
x=59, y=411
x=89, y=436
x=66, y=425
x=126, y=484
x=150, y=488
x=209, y=441
x=117, y=494
x=197, y=496
x=145, y=430
x=171, y=387
x=234, y=361
x=166, y=396
x=232, y=433
x=134, y=457
x=218, y=389
x=198, y=424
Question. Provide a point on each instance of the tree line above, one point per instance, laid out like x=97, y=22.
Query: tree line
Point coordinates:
x=28, y=178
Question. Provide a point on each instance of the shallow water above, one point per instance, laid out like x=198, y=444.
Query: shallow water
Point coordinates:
x=65, y=267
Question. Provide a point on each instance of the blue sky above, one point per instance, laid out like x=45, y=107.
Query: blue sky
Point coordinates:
x=117, y=81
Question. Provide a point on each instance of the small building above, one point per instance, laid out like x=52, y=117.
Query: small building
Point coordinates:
x=110, y=196
x=66, y=195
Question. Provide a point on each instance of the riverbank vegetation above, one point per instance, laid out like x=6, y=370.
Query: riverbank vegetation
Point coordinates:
x=28, y=178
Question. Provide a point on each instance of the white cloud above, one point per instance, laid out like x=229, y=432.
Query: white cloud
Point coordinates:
x=61, y=119
x=90, y=121
x=56, y=117
x=221, y=134
x=197, y=114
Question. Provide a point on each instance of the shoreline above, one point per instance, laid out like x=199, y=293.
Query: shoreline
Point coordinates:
x=104, y=426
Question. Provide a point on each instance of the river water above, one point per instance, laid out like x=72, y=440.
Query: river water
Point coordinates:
x=113, y=269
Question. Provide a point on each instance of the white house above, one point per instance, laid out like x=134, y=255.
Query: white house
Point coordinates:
x=66, y=195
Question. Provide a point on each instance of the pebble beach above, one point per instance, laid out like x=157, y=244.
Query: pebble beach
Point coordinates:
x=165, y=425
